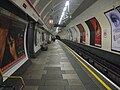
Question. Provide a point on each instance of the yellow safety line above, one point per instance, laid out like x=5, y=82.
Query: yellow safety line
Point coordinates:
x=100, y=80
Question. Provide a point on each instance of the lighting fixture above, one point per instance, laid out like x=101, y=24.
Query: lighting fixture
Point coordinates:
x=63, y=13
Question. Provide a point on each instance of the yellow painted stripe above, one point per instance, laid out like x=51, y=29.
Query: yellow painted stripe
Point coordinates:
x=100, y=80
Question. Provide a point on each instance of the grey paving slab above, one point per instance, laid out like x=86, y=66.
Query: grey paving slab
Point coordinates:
x=40, y=62
x=67, y=68
x=55, y=72
x=37, y=67
x=56, y=82
x=74, y=82
x=51, y=54
x=59, y=48
x=40, y=57
x=70, y=72
x=70, y=76
x=52, y=68
x=52, y=76
x=53, y=58
x=35, y=63
x=51, y=88
x=33, y=76
x=61, y=52
x=53, y=46
x=65, y=63
x=30, y=88
x=64, y=57
x=34, y=82
x=75, y=87
x=53, y=51
x=53, y=62
x=64, y=60
x=93, y=87
x=34, y=72
x=53, y=65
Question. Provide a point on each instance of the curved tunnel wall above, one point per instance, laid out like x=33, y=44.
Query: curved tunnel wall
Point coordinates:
x=97, y=10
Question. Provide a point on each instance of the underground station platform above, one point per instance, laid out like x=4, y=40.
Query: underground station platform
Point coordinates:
x=60, y=68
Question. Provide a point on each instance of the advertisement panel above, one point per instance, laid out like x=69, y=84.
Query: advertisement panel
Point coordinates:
x=82, y=33
x=71, y=36
x=12, y=41
x=95, y=31
x=75, y=34
x=114, y=19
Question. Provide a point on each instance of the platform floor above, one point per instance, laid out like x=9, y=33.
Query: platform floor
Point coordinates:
x=57, y=69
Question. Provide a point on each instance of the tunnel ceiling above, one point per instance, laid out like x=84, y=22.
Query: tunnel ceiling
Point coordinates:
x=53, y=9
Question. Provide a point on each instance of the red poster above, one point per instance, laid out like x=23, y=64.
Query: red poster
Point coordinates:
x=97, y=30
x=4, y=25
x=83, y=33
x=12, y=41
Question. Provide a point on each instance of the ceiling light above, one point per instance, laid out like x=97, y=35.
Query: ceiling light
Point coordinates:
x=64, y=9
x=63, y=13
x=67, y=3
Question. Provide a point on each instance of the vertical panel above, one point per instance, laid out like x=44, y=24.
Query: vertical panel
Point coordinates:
x=30, y=39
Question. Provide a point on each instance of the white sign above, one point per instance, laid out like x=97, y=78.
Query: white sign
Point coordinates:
x=114, y=18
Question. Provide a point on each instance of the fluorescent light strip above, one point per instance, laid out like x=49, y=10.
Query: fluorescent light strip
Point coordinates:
x=65, y=8
x=67, y=3
x=63, y=13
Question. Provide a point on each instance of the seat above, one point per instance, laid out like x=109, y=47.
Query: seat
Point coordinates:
x=2, y=86
x=10, y=87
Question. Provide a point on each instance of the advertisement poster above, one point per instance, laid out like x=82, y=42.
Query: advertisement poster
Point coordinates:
x=114, y=19
x=75, y=34
x=82, y=33
x=71, y=36
x=95, y=31
x=11, y=41
x=37, y=37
